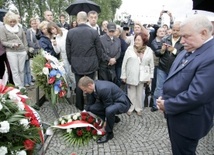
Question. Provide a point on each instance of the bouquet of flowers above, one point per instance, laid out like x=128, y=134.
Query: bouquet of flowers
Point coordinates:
x=20, y=128
x=80, y=128
x=50, y=76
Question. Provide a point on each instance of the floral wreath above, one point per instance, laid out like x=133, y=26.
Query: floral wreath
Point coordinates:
x=50, y=76
x=20, y=126
x=80, y=128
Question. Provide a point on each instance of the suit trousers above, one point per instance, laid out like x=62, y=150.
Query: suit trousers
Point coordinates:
x=2, y=65
x=108, y=113
x=27, y=76
x=182, y=145
x=79, y=93
x=137, y=96
x=17, y=64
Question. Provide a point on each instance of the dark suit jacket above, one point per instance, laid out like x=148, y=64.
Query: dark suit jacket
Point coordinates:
x=108, y=93
x=84, y=49
x=188, y=93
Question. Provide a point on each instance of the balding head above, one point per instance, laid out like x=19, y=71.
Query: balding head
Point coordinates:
x=81, y=17
x=176, y=29
x=48, y=15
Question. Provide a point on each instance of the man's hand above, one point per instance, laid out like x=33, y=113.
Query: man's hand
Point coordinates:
x=170, y=48
x=169, y=13
x=124, y=80
x=161, y=13
x=112, y=61
x=160, y=104
x=163, y=48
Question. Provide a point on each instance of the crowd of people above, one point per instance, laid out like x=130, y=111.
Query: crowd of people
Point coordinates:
x=114, y=68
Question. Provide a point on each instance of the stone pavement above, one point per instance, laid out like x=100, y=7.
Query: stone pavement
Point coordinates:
x=134, y=135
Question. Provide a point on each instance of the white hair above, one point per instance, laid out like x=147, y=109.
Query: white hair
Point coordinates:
x=199, y=22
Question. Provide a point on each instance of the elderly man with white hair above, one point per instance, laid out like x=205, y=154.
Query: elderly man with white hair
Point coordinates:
x=188, y=100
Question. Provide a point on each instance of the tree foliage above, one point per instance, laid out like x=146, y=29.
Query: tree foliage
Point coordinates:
x=32, y=8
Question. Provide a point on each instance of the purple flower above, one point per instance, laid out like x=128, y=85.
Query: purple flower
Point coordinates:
x=54, y=72
x=56, y=89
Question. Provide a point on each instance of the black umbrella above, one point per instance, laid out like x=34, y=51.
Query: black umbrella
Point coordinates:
x=82, y=5
x=2, y=13
x=206, y=5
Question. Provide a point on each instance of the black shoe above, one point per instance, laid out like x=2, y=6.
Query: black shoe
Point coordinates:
x=153, y=109
x=105, y=138
x=117, y=119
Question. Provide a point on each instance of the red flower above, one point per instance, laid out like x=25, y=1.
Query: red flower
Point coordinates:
x=51, y=80
x=34, y=122
x=83, y=118
x=29, y=144
x=90, y=119
x=94, y=132
x=48, y=65
x=84, y=114
x=28, y=114
x=79, y=132
x=88, y=128
x=96, y=125
x=62, y=93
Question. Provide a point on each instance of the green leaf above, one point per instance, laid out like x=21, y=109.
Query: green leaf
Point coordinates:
x=53, y=96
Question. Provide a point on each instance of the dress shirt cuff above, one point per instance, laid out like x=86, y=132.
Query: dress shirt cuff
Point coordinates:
x=174, y=51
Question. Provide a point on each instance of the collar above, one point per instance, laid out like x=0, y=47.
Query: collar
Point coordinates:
x=208, y=39
x=14, y=29
x=34, y=31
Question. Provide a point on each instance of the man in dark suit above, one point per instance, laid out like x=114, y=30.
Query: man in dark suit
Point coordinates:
x=107, y=100
x=84, y=51
x=188, y=100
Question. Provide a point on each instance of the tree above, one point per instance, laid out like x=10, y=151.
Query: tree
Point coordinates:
x=32, y=8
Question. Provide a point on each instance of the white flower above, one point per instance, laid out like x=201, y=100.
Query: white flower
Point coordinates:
x=70, y=120
x=56, y=122
x=54, y=66
x=24, y=122
x=63, y=122
x=20, y=106
x=78, y=114
x=58, y=75
x=45, y=70
x=68, y=117
x=23, y=152
x=75, y=117
x=69, y=130
x=13, y=96
x=3, y=150
x=4, y=127
x=2, y=100
x=1, y=106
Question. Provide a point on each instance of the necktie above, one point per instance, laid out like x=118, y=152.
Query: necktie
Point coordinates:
x=184, y=60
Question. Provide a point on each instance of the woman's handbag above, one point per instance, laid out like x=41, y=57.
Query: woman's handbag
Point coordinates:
x=31, y=52
x=144, y=73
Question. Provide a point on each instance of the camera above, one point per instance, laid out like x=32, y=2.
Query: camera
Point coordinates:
x=54, y=38
x=126, y=24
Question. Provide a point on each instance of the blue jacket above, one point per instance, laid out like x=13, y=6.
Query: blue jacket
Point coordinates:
x=108, y=94
x=45, y=44
x=188, y=93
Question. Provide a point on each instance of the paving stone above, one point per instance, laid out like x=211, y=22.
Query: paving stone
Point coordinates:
x=134, y=135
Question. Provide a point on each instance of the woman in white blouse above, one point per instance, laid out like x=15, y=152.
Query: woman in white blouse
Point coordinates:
x=58, y=40
x=137, y=69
